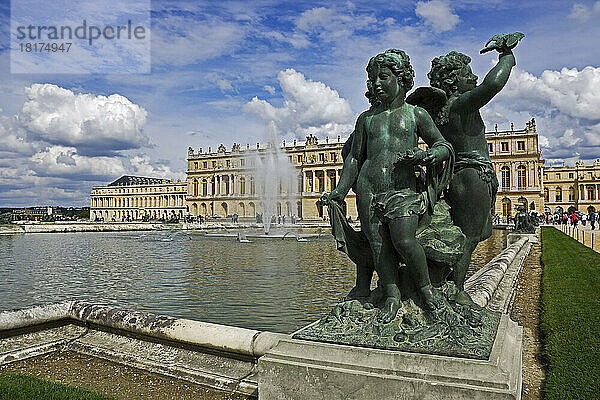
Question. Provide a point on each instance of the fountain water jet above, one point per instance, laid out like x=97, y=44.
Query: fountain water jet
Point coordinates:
x=275, y=176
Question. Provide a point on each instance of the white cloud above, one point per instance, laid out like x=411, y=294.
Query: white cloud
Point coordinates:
x=93, y=124
x=181, y=40
x=437, y=14
x=64, y=161
x=224, y=85
x=570, y=91
x=269, y=89
x=143, y=165
x=581, y=13
x=308, y=107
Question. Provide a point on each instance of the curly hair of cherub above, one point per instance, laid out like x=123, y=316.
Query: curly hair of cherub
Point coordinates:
x=446, y=69
x=398, y=62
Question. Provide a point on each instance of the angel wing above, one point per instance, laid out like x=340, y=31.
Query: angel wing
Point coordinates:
x=431, y=99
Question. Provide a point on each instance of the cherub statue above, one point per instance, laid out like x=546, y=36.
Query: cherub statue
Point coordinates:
x=381, y=166
x=454, y=101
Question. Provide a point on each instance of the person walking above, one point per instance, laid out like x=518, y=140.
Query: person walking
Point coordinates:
x=593, y=220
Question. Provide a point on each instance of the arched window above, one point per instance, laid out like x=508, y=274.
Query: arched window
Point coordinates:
x=546, y=194
x=591, y=193
x=521, y=177
x=558, y=193
x=242, y=185
x=204, y=187
x=195, y=187
x=571, y=193
x=252, y=188
x=505, y=177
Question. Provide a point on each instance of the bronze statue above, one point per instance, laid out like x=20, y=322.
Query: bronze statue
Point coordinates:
x=381, y=163
x=454, y=101
x=524, y=223
x=409, y=236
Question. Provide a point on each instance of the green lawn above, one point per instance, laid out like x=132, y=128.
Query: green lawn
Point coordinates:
x=570, y=317
x=23, y=387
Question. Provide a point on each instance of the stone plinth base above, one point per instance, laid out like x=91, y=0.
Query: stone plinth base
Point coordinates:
x=300, y=370
x=514, y=237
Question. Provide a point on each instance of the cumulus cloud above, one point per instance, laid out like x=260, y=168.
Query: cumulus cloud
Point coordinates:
x=62, y=143
x=571, y=91
x=269, y=89
x=565, y=104
x=437, y=14
x=581, y=13
x=309, y=107
x=64, y=161
x=94, y=124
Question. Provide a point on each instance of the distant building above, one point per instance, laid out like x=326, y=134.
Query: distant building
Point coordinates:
x=568, y=189
x=31, y=213
x=134, y=197
x=224, y=182
x=517, y=160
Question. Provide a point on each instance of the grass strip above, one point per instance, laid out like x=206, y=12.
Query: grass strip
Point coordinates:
x=25, y=387
x=570, y=317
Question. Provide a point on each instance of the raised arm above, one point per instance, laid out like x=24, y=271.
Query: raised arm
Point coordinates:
x=493, y=82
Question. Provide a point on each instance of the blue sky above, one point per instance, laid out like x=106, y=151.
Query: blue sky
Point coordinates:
x=221, y=70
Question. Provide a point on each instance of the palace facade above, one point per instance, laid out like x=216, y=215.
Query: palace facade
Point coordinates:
x=572, y=188
x=517, y=160
x=218, y=182
x=132, y=198
x=227, y=182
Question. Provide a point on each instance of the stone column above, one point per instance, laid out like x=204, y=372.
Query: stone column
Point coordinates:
x=314, y=186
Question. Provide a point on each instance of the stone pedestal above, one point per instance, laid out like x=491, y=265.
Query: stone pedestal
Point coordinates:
x=300, y=370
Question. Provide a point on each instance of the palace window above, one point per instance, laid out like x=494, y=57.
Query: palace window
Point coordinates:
x=300, y=158
x=195, y=165
x=242, y=162
x=557, y=175
x=591, y=193
x=521, y=177
x=520, y=145
x=242, y=185
x=546, y=194
x=333, y=156
x=571, y=193
x=558, y=193
x=228, y=163
x=214, y=164
x=204, y=188
x=322, y=157
x=504, y=146
x=252, y=189
x=506, y=205
x=491, y=147
x=505, y=177
x=195, y=188
x=571, y=175
x=204, y=164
